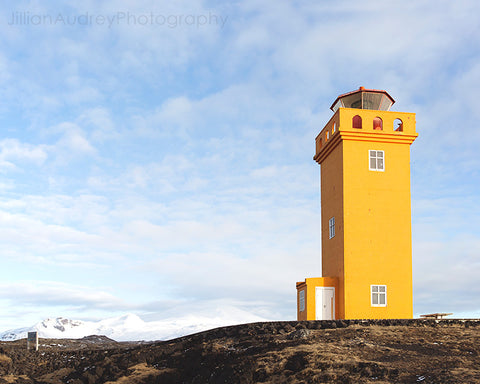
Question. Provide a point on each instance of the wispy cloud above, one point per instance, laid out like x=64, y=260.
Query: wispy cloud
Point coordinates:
x=12, y=150
x=49, y=293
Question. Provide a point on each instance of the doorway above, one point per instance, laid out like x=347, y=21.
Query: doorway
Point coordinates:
x=324, y=303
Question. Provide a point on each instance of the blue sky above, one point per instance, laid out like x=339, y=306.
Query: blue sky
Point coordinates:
x=156, y=157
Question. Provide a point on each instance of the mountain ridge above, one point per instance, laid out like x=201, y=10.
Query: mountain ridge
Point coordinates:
x=130, y=327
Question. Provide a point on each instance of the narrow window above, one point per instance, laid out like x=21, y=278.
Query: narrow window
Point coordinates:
x=301, y=300
x=334, y=128
x=357, y=122
x=377, y=124
x=398, y=125
x=331, y=228
x=376, y=160
x=378, y=295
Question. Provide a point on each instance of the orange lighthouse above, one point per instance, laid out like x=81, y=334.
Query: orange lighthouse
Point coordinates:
x=364, y=157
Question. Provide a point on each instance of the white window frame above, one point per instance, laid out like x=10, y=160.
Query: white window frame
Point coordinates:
x=301, y=300
x=379, y=159
x=331, y=227
x=377, y=291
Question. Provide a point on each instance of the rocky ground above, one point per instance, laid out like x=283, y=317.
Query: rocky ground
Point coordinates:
x=386, y=351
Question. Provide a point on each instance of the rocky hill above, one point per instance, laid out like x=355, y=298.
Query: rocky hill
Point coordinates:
x=387, y=351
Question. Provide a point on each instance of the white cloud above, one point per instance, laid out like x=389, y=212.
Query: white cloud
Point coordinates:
x=73, y=139
x=51, y=293
x=71, y=143
x=12, y=150
x=446, y=275
x=101, y=120
x=446, y=245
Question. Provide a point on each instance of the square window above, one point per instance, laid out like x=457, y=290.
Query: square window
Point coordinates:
x=376, y=160
x=378, y=295
x=331, y=228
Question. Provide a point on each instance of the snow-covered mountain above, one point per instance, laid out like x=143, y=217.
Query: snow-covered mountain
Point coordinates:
x=130, y=327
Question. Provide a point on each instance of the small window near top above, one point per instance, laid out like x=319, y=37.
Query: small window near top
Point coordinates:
x=331, y=228
x=357, y=122
x=376, y=160
x=378, y=295
x=398, y=125
x=377, y=124
x=301, y=300
x=334, y=127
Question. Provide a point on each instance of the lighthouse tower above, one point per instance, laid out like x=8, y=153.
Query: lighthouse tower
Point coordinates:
x=364, y=157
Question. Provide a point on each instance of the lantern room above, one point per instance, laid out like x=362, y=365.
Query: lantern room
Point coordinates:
x=364, y=99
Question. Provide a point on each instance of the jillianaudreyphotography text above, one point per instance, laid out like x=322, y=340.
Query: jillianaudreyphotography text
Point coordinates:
x=27, y=18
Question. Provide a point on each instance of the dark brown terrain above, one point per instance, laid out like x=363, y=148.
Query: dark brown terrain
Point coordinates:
x=383, y=351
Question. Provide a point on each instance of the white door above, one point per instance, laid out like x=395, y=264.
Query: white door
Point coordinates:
x=324, y=303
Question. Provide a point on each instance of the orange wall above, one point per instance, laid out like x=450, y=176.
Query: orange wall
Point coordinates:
x=331, y=180
x=378, y=246
x=372, y=244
